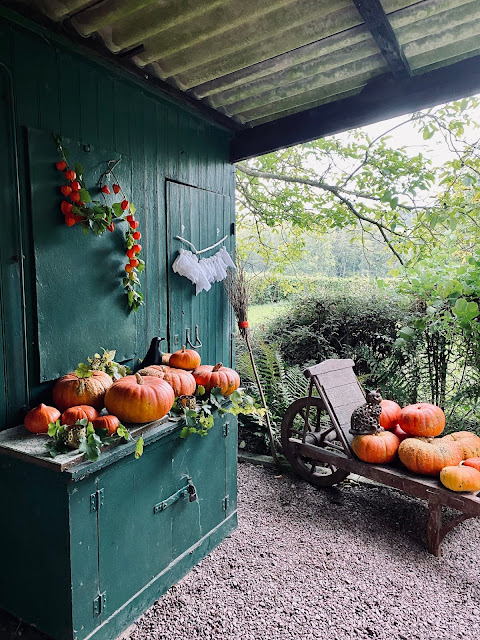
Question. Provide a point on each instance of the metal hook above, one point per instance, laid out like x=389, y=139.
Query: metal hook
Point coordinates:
x=197, y=339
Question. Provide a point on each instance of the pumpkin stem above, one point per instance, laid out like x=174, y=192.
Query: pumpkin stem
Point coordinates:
x=184, y=348
x=217, y=366
x=139, y=378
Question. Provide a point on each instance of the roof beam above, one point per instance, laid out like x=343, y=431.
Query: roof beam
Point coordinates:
x=376, y=21
x=381, y=99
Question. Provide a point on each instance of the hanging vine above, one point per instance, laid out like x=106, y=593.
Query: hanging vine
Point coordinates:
x=98, y=216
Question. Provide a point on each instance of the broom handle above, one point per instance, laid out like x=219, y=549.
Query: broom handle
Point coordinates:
x=260, y=389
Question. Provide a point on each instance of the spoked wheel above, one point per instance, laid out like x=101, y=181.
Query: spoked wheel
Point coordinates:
x=319, y=431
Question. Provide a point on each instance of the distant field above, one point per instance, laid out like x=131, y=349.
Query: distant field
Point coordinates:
x=259, y=314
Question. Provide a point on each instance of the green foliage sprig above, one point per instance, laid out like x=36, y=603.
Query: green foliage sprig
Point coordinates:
x=90, y=444
x=104, y=362
x=97, y=217
x=201, y=419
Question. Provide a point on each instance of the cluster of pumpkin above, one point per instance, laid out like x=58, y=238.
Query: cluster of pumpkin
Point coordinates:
x=146, y=396
x=411, y=433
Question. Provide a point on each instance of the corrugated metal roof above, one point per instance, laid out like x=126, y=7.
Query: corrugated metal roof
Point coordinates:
x=256, y=61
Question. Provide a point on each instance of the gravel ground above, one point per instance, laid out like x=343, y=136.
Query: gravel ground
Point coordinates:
x=307, y=564
x=346, y=563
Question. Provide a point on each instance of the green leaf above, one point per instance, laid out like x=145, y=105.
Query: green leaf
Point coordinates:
x=139, y=448
x=53, y=427
x=83, y=370
x=84, y=195
x=79, y=170
x=117, y=209
x=200, y=391
x=132, y=208
x=123, y=432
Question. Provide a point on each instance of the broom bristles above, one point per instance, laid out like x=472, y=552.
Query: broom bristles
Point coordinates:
x=236, y=287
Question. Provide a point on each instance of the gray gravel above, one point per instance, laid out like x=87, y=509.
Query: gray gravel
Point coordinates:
x=347, y=563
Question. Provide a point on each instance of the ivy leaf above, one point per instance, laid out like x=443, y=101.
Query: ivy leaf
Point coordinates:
x=132, y=209
x=139, y=448
x=83, y=371
x=53, y=427
x=90, y=446
x=123, y=432
x=200, y=390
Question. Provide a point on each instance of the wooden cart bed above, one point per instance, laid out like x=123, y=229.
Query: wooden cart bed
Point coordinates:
x=316, y=441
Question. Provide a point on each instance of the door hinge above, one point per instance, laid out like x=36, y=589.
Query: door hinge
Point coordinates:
x=225, y=429
x=96, y=500
x=225, y=502
x=100, y=603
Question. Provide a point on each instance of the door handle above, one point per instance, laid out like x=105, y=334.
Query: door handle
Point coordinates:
x=187, y=491
x=198, y=342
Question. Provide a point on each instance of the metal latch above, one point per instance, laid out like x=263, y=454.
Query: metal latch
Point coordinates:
x=100, y=603
x=225, y=429
x=96, y=500
x=186, y=491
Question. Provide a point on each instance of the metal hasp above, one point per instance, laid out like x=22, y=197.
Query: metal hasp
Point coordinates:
x=188, y=490
x=96, y=500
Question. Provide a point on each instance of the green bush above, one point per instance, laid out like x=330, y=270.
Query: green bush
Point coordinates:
x=348, y=322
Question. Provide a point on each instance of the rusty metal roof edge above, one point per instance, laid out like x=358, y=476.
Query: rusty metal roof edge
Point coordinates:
x=381, y=99
x=70, y=39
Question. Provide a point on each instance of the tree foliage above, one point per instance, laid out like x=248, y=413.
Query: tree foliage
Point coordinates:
x=365, y=184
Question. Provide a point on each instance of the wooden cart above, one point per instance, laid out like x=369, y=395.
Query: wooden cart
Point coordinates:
x=316, y=441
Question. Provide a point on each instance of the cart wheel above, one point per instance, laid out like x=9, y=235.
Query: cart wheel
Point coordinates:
x=317, y=473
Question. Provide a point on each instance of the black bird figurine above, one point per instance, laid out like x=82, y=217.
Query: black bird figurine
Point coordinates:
x=153, y=356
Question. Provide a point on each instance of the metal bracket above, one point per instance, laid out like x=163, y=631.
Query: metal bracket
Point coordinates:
x=100, y=603
x=225, y=502
x=96, y=500
x=197, y=339
x=225, y=429
x=186, y=491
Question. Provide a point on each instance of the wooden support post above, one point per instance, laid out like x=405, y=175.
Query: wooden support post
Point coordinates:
x=434, y=526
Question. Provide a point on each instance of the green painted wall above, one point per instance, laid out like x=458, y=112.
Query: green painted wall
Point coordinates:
x=47, y=86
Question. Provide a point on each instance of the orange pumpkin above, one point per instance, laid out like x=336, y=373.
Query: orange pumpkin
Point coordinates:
x=390, y=414
x=110, y=423
x=460, y=478
x=400, y=433
x=428, y=456
x=71, y=415
x=468, y=440
x=71, y=391
x=138, y=399
x=185, y=359
x=37, y=419
x=219, y=376
x=181, y=381
x=472, y=462
x=422, y=419
x=379, y=448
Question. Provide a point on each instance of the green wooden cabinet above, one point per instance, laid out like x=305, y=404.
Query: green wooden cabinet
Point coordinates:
x=88, y=549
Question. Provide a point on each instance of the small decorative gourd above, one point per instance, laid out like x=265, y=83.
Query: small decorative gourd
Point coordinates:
x=365, y=419
x=460, y=478
x=82, y=412
x=390, y=414
x=185, y=359
x=377, y=448
x=38, y=419
x=219, y=377
x=422, y=419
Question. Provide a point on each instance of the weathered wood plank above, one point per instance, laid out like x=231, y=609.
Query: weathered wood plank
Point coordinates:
x=421, y=487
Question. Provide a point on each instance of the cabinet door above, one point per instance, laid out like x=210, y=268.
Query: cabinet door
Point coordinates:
x=203, y=218
x=203, y=460
x=134, y=541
